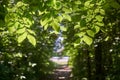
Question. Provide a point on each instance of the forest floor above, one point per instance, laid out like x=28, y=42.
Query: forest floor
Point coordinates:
x=63, y=71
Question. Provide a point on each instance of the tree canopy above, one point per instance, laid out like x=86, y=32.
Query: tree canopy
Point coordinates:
x=28, y=30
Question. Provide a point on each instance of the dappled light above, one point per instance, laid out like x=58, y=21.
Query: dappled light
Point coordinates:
x=59, y=39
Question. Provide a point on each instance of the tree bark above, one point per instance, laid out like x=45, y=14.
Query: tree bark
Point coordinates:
x=88, y=65
x=99, y=74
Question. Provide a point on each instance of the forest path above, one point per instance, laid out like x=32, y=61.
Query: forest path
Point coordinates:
x=63, y=71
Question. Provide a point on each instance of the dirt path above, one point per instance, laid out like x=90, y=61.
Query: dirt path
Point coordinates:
x=62, y=72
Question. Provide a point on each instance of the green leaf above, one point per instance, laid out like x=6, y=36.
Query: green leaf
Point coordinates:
x=78, y=2
x=19, y=4
x=11, y=29
x=90, y=33
x=99, y=24
x=87, y=3
x=22, y=37
x=60, y=18
x=97, y=29
x=44, y=22
x=45, y=27
x=83, y=28
x=46, y=19
x=88, y=40
x=18, y=55
x=76, y=26
x=54, y=1
x=31, y=31
x=102, y=11
x=31, y=39
x=62, y=28
x=40, y=12
x=107, y=38
x=54, y=32
x=21, y=30
x=10, y=24
x=99, y=18
x=16, y=24
x=57, y=5
x=66, y=16
x=55, y=25
x=67, y=10
x=77, y=42
x=97, y=10
x=91, y=5
x=27, y=21
x=50, y=2
x=80, y=34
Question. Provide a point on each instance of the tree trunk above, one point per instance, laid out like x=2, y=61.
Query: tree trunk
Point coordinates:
x=88, y=65
x=99, y=74
x=86, y=51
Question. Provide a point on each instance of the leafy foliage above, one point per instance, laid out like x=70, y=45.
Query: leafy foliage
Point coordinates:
x=89, y=27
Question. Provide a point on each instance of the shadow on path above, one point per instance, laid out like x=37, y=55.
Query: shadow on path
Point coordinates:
x=63, y=71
